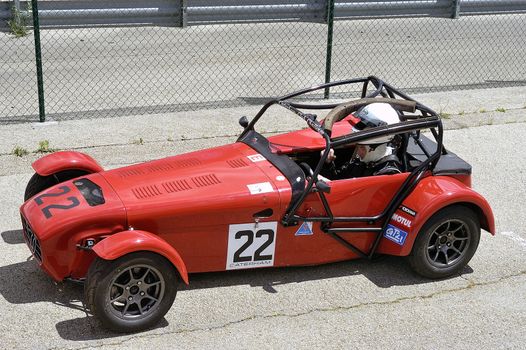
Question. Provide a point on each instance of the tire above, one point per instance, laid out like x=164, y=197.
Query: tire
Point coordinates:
x=446, y=242
x=131, y=293
x=39, y=183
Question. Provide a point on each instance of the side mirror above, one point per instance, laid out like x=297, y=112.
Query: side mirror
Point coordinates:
x=243, y=121
x=323, y=187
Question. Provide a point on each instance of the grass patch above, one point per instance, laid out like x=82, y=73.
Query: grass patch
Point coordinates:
x=138, y=141
x=170, y=139
x=444, y=115
x=20, y=151
x=501, y=109
x=18, y=22
x=482, y=110
x=43, y=147
x=461, y=113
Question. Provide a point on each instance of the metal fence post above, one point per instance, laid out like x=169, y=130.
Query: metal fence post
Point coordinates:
x=456, y=9
x=184, y=13
x=328, y=60
x=38, y=58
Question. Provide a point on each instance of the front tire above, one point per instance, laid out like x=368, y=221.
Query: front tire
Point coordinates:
x=39, y=183
x=446, y=242
x=131, y=293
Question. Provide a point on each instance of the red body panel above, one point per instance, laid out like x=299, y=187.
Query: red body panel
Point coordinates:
x=126, y=242
x=194, y=208
x=65, y=160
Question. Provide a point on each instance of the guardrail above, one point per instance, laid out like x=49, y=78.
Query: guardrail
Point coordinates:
x=86, y=13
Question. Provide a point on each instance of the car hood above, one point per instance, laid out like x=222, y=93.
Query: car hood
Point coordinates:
x=209, y=182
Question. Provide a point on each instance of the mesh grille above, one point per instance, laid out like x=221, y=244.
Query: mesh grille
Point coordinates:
x=32, y=241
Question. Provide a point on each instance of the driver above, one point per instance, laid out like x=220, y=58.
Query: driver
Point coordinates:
x=372, y=157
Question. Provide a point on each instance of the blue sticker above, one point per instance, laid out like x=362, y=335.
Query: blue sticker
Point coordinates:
x=395, y=234
x=305, y=229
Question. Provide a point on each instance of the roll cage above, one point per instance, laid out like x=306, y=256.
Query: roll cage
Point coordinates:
x=414, y=117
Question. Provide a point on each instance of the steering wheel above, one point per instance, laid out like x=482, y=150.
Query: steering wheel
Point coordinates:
x=343, y=110
x=306, y=169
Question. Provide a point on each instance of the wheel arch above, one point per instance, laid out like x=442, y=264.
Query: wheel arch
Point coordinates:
x=434, y=194
x=126, y=242
x=65, y=160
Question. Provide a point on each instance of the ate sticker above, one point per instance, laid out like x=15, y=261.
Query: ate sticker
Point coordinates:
x=305, y=229
x=256, y=158
x=263, y=187
x=395, y=234
x=251, y=245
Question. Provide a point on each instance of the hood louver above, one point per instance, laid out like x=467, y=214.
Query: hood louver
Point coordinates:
x=206, y=180
x=176, y=186
x=237, y=163
x=146, y=191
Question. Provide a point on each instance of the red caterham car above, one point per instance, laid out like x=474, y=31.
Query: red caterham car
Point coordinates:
x=132, y=234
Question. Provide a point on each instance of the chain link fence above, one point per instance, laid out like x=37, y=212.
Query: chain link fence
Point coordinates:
x=109, y=60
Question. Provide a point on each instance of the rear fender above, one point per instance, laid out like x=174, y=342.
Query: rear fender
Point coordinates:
x=432, y=194
x=126, y=242
x=65, y=160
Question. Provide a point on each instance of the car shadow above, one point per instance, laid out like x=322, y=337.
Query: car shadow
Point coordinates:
x=24, y=282
x=13, y=237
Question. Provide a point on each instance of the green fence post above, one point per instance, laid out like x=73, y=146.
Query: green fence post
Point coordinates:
x=328, y=60
x=38, y=58
x=456, y=9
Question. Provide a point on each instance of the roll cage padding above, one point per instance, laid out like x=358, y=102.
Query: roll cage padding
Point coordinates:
x=344, y=109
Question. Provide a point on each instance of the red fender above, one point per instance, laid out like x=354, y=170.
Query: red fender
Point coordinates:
x=430, y=195
x=126, y=242
x=65, y=160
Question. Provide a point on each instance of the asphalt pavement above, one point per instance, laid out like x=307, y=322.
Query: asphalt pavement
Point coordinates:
x=354, y=304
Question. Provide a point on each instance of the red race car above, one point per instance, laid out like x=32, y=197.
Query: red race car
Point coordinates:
x=364, y=181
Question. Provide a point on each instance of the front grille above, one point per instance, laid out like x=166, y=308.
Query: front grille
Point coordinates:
x=32, y=240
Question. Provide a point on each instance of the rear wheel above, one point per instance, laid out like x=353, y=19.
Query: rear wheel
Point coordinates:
x=446, y=243
x=39, y=183
x=131, y=293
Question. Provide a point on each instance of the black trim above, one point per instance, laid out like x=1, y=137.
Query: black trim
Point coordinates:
x=288, y=168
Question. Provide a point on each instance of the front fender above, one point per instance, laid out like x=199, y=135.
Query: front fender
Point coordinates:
x=432, y=194
x=65, y=160
x=126, y=242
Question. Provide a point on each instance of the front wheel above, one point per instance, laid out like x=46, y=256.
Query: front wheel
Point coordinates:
x=446, y=243
x=131, y=293
x=39, y=183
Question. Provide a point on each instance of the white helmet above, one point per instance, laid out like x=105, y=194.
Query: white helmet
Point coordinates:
x=373, y=115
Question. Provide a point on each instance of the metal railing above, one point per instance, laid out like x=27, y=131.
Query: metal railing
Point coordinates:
x=122, y=57
x=83, y=13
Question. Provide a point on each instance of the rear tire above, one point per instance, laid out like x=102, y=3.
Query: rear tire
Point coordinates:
x=39, y=183
x=446, y=242
x=131, y=293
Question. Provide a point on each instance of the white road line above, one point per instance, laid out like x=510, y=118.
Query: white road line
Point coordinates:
x=515, y=237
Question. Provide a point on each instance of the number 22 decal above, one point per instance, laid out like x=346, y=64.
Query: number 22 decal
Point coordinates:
x=251, y=246
x=47, y=209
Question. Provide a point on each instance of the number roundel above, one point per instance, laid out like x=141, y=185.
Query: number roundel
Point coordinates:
x=251, y=245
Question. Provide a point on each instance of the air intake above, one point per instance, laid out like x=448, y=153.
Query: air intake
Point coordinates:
x=237, y=163
x=146, y=192
x=176, y=186
x=206, y=180
x=187, y=163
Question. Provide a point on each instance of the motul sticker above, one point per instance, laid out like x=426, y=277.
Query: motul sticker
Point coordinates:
x=395, y=234
x=263, y=187
x=401, y=220
x=256, y=158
